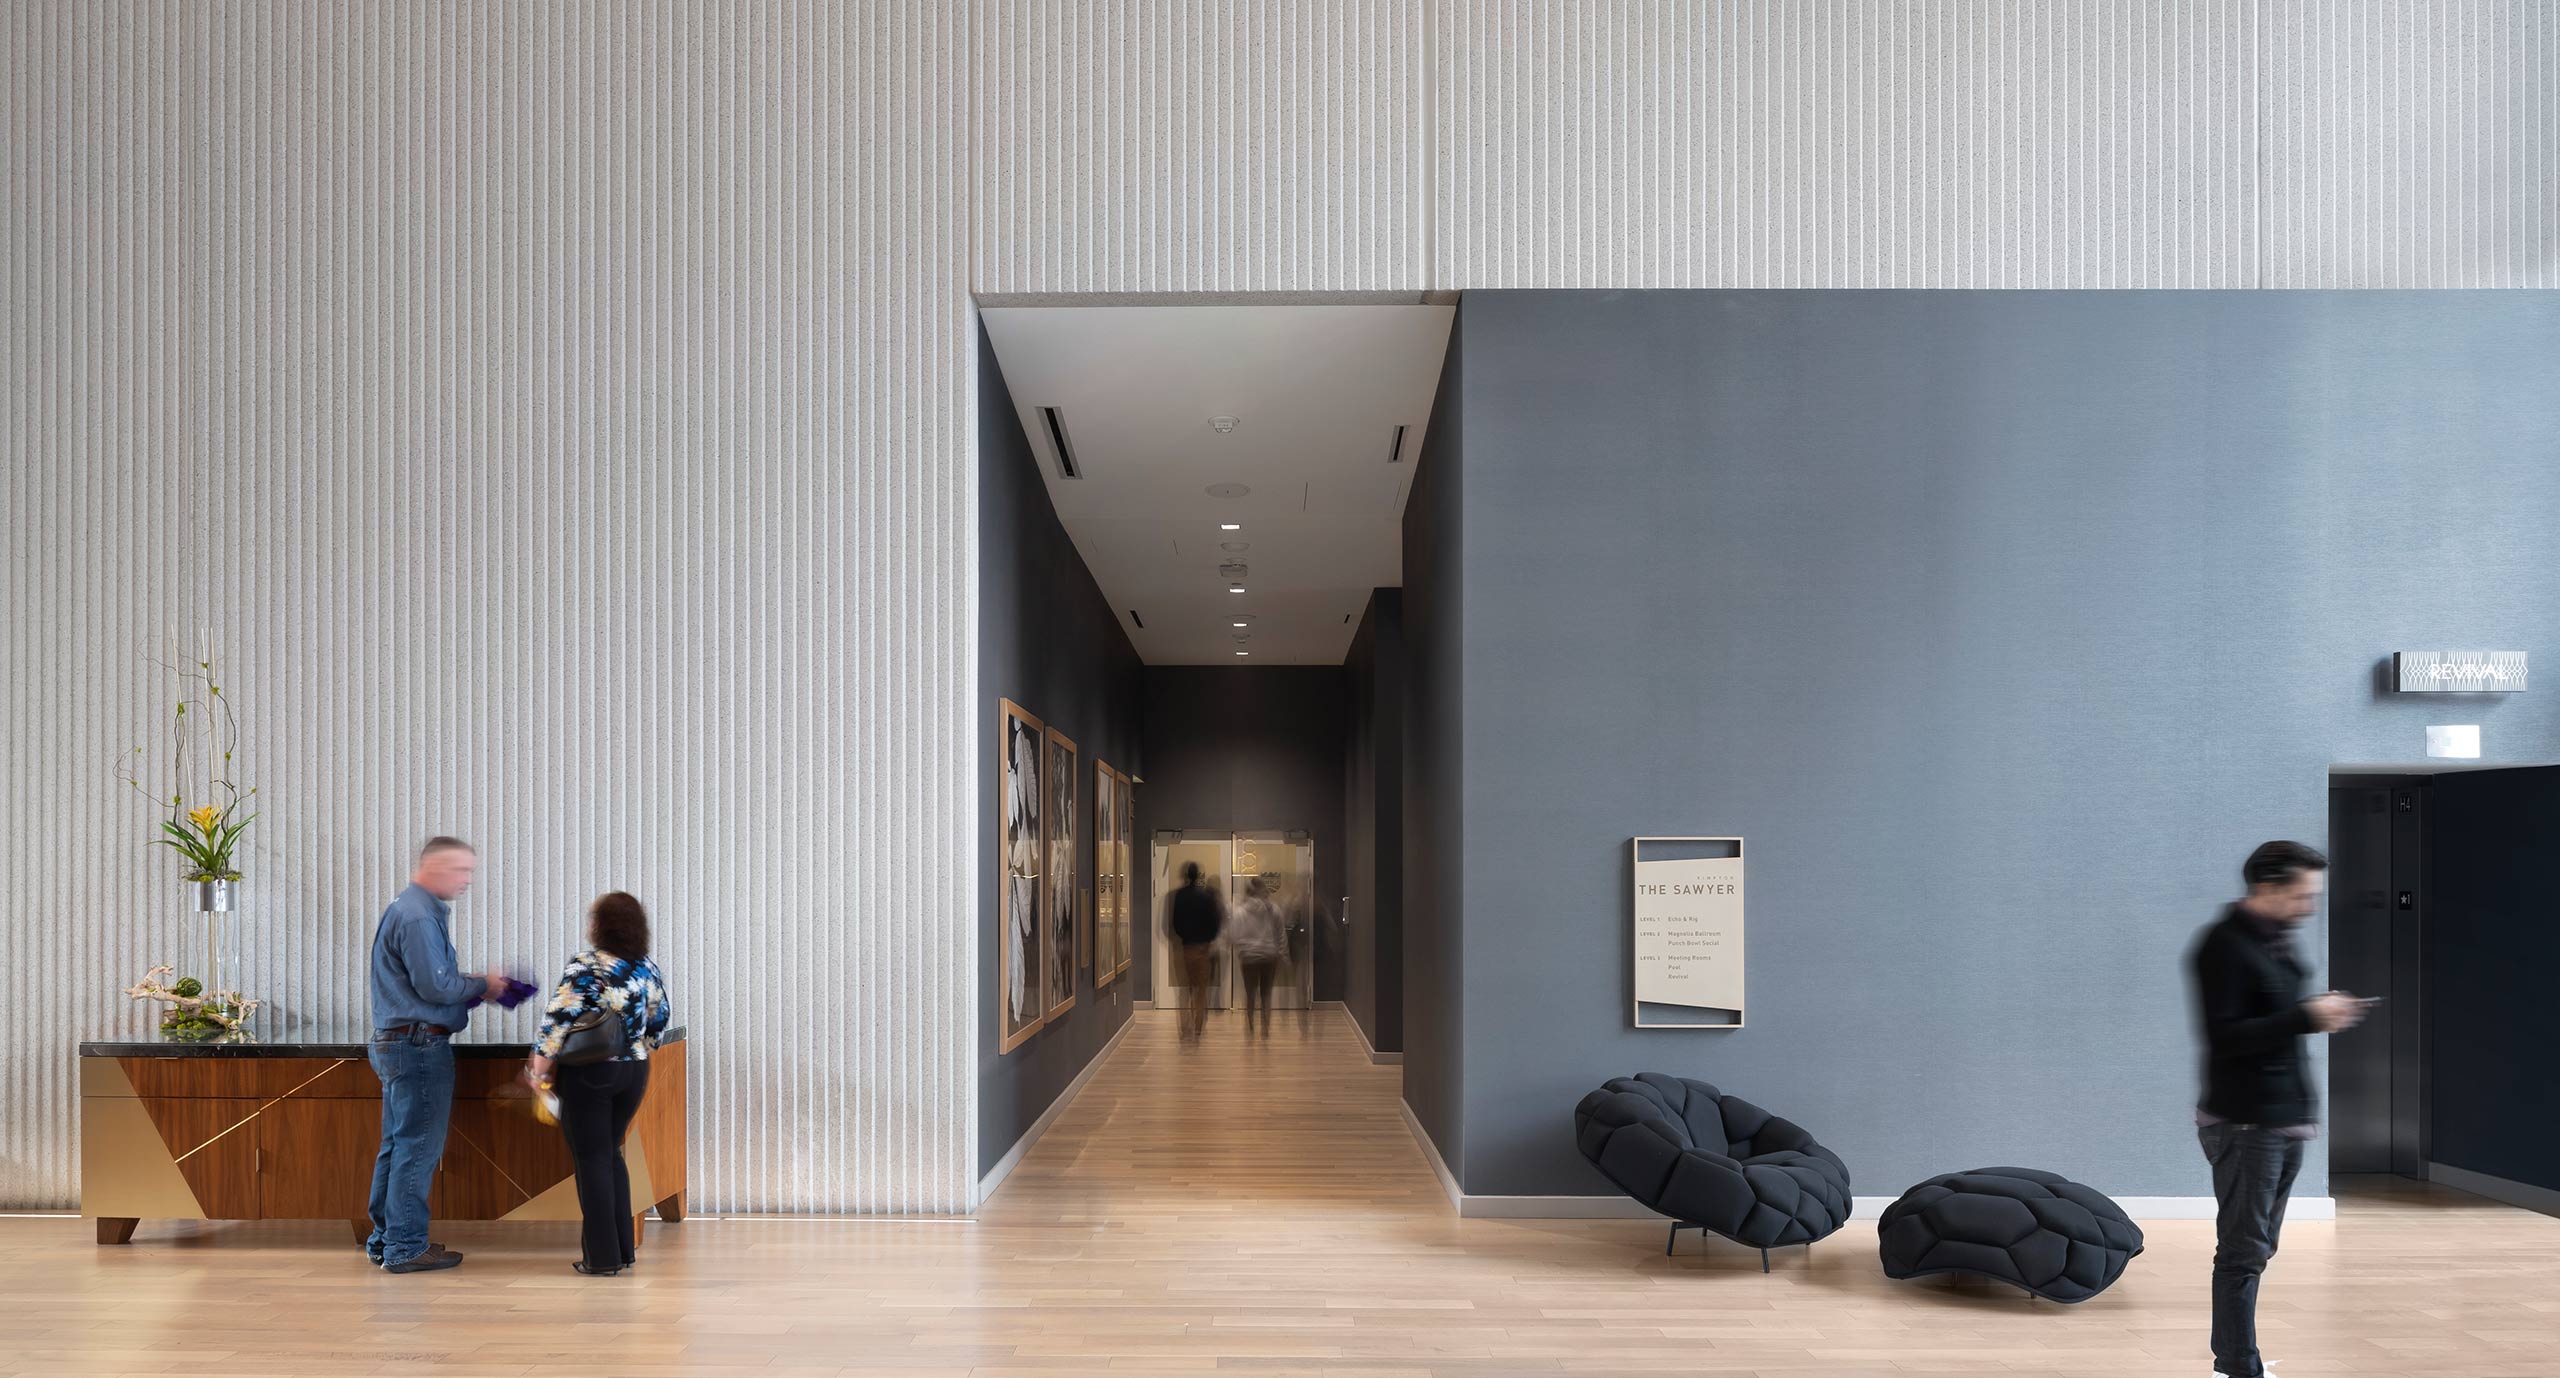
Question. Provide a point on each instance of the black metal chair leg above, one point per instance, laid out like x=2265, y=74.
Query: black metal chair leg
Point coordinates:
x=1764, y=1260
x=1672, y=1241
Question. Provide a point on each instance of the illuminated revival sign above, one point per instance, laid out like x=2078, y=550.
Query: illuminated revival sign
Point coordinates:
x=2457, y=672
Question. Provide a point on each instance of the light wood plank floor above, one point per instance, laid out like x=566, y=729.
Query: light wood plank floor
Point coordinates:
x=1258, y=1208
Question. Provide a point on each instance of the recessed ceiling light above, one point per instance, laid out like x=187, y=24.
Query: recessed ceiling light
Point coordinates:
x=1231, y=526
x=1244, y=653
x=1223, y=424
x=1235, y=588
x=1240, y=624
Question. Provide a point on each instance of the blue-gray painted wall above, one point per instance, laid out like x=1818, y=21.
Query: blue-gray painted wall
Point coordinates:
x=2001, y=624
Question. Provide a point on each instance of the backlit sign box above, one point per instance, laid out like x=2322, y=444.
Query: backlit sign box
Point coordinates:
x=2457, y=672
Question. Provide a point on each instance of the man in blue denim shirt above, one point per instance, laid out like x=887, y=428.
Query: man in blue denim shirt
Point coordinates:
x=421, y=999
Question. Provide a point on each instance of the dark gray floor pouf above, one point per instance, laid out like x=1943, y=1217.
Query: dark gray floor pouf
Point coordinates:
x=2028, y=1228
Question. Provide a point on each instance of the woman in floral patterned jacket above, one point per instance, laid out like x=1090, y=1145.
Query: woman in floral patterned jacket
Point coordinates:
x=598, y=1099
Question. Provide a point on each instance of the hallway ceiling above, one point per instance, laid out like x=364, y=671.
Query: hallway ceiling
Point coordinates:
x=1316, y=391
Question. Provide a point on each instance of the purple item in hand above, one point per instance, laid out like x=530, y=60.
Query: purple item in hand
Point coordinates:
x=516, y=993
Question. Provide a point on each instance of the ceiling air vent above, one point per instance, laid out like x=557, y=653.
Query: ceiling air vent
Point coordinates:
x=1395, y=451
x=1067, y=466
x=1232, y=571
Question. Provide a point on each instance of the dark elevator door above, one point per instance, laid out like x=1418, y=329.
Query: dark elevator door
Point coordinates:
x=2377, y=903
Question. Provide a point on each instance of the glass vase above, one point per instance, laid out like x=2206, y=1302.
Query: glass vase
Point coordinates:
x=209, y=957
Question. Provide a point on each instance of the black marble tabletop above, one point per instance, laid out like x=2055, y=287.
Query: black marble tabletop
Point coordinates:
x=469, y=1044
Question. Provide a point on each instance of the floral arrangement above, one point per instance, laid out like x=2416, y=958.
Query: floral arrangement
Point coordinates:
x=195, y=1015
x=203, y=734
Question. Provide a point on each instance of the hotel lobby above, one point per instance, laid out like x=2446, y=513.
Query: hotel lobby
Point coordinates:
x=961, y=687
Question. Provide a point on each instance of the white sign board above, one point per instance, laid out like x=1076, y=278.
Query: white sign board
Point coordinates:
x=1688, y=935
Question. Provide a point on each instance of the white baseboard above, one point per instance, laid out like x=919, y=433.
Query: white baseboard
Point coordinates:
x=1013, y=1157
x=2524, y=1194
x=1431, y=1151
x=1376, y=1058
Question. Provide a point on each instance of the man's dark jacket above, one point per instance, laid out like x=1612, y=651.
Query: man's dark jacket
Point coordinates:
x=2249, y=994
x=1196, y=915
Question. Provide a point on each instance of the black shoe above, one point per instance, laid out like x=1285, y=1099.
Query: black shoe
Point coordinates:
x=436, y=1257
x=581, y=1266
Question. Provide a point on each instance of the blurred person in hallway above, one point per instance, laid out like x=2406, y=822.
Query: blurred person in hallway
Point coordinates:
x=2257, y=1110
x=1195, y=915
x=604, y=1019
x=1260, y=941
x=421, y=999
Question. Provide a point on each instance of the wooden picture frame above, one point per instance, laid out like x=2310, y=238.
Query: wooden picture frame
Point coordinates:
x=1130, y=929
x=1021, y=746
x=1114, y=817
x=1097, y=913
x=1059, y=895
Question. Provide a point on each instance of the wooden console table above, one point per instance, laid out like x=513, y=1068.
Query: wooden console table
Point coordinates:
x=288, y=1131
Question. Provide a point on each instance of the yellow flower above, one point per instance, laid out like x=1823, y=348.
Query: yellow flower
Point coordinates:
x=204, y=818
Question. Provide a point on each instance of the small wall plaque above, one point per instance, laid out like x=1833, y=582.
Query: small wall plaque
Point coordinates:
x=2457, y=672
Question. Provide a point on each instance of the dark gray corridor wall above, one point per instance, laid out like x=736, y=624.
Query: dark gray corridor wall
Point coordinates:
x=1243, y=749
x=1435, y=1050
x=1048, y=641
x=2001, y=624
x=1373, y=819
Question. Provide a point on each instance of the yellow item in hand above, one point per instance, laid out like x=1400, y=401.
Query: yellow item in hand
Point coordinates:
x=546, y=1105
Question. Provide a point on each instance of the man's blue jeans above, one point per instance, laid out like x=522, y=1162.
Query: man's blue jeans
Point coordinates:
x=416, y=1069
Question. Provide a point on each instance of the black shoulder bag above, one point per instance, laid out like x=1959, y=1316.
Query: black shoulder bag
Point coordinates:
x=599, y=1035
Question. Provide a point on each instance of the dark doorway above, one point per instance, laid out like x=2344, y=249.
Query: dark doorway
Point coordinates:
x=2492, y=948
x=2443, y=899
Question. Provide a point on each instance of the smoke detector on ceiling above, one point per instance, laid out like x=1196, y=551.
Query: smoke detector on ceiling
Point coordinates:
x=1223, y=424
x=1227, y=490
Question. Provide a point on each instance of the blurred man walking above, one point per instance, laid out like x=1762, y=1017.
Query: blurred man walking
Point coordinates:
x=2257, y=1110
x=1196, y=914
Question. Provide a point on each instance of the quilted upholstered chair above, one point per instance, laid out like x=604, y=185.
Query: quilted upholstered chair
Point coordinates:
x=1713, y=1162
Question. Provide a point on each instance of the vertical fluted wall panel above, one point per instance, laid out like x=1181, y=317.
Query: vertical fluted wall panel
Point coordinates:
x=556, y=417
x=2412, y=143
x=1839, y=143
x=1199, y=145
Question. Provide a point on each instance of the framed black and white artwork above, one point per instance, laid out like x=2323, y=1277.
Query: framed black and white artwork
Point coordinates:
x=1021, y=1006
x=1059, y=894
